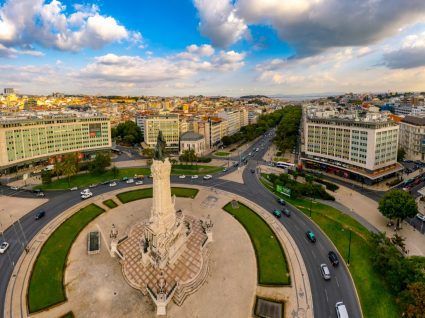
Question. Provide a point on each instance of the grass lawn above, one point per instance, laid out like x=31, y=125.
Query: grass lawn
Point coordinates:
x=85, y=179
x=46, y=286
x=194, y=169
x=134, y=195
x=375, y=297
x=271, y=261
x=110, y=203
x=221, y=153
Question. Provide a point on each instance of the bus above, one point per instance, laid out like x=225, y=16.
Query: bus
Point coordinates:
x=284, y=165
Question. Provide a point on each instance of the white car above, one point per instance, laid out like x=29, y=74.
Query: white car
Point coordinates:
x=112, y=184
x=421, y=217
x=85, y=191
x=86, y=195
x=14, y=188
x=207, y=177
x=130, y=181
x=182, y=176
x=324, y=270
x=195, y=177
x=139, y=182
x=3, y=247
x=74, y=189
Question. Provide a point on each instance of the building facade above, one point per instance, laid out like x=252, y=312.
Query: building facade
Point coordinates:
x=364, y=148
x=33, y=140
x=168, y=124
x=192, y=141
x=412, y=137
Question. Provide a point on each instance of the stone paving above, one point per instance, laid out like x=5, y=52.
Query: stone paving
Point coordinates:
x=14, y=208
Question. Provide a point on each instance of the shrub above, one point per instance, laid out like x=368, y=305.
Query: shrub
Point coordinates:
x=204, y=159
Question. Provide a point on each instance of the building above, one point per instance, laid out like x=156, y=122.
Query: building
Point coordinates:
x=8, y=91
x=360, y=148
x=236, y=118
x=168, y=124
x=192, y=141
x=212, y=130
x=31, y=141
x=140, y=121
x=412, y=137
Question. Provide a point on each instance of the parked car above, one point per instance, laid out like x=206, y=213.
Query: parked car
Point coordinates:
x=225, y=170
x=14, y=188
x=86, y=195
x=93, y=185
x=74, y=189
x=40, y=194
x=194, y=177
x=40, y=214
x=281, y=201
x=130, y=181
x=286, y=212
x=113, y=184
x=140, y=182
x=207, y=177
x=311, y=237
x=421, y=217
x=324, y=270
x=333, y=258
x=124, y=178
x=182, y=176
x=277, y=213
x=3, y=247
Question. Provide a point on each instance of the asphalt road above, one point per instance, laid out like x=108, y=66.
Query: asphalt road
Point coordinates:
x=325, y=293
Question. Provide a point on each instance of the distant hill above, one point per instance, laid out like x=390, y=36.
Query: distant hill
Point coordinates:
x=253, y=96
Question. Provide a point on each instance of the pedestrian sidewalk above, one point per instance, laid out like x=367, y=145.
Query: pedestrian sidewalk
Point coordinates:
x=367, y=209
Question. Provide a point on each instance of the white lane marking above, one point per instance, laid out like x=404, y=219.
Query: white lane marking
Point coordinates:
x=326, y=294
x=337, y=282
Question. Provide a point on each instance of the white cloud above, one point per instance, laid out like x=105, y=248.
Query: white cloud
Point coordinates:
x=24, y=23
x=220, y=22
x=411, y=54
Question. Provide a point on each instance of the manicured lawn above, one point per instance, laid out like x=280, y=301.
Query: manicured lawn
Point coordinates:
x=221, y=153
x=139, y=194
x=271, y=261
x=85, y=179
x=46, y=286
x=194, y=169
x=375, y=298
x=110, y=203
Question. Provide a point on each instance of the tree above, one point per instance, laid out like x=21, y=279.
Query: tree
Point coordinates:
x=128, y=132
x=401, y=154
x=100, y=162
x=46, y=176
x=413, y=300
x=398, y=204
x=115, y=171
x=148, y=152
x=70, y=166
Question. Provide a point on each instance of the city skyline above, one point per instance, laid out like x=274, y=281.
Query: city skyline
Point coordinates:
x=221, y=47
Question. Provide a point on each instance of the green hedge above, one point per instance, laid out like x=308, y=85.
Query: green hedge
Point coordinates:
x=139, y=194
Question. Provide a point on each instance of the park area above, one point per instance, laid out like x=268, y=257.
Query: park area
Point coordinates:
x=375, y=297
x=272, y=268
x=46, y=283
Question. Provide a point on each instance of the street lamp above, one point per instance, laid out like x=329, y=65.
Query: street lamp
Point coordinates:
x=349, y=248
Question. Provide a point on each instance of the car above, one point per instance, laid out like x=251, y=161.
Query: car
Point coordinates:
x=85, y=191
x=257, y=149
x=324, y=270
x=286, y=212
x=139, y=182
x=150, y=176
x=124, y=178
x=106, y=182
x=40, y=214
x=341, y=310
x=74, y=189
x=311, y=237
x=14, y=188
x=225, y=170
x=113, y=184
x=182, y=176
x=86, y=195
x=421, y=217
x=93, y=185
x=252, y=170
x=207, y=177
x=333, y=258
x=130, y=181
x=277, y=213
x=281, y=201
x=40, y=194
x=3, y=247
x=194, y=177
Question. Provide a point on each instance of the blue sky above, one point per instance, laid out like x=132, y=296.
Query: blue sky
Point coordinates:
x=212, y=47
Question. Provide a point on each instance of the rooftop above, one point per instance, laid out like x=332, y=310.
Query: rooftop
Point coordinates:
x=191, y=136
x=414, y=120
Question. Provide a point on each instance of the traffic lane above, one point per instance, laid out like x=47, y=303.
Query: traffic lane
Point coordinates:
x=313, y=257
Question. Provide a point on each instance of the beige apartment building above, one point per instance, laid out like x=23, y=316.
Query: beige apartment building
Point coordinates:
x=168, y=124
x=28, y=140
x=236, y=118
x=364, y=149
x=412, y=137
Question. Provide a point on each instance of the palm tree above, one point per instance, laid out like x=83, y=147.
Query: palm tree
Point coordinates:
x=70, y=166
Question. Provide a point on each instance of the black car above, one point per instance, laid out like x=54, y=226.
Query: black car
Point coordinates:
x=252, y=170
x=281, y=201
x=333, y=258
x=286, y=212
x=40, y=214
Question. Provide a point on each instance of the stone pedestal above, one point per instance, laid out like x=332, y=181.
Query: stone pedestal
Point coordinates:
x=114, y=248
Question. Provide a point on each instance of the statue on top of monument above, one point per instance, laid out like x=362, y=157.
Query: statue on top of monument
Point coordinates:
x=160, y=147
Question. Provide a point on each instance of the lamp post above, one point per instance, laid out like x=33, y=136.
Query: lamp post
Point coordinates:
x=311, y=201
x=349, y=248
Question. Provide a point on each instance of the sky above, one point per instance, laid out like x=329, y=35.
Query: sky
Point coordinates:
x=212, y=47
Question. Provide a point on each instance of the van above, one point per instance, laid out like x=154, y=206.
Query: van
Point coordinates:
x=341, y=310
